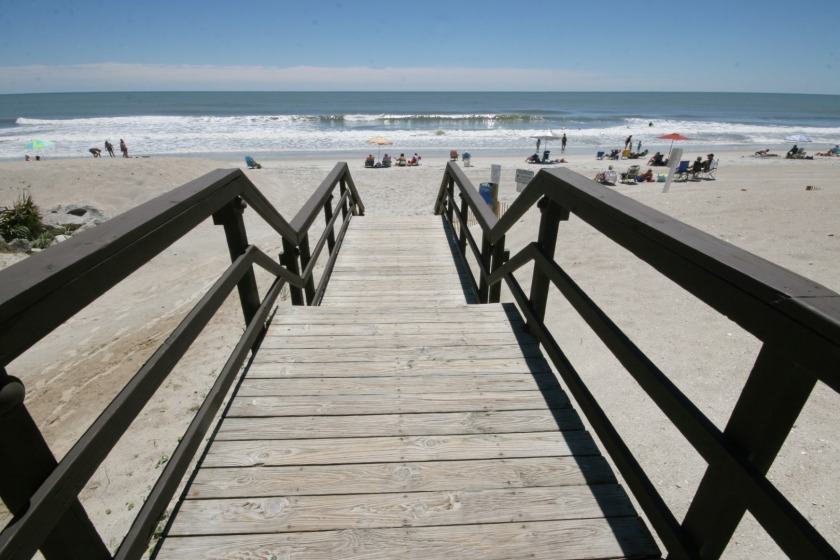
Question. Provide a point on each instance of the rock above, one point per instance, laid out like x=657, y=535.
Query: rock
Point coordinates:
x=72, y=216
x=20, y=246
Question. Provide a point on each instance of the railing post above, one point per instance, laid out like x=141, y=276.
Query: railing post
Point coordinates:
x=499, y=258
x=486, y=262
x=328, y=215
x=342, y=188
x=464, y=213
x=552, y=214
x=25, y=462
x=450, y=189
x=770, y=403
x=289, y=259
x=230, y=217
x=305, y=257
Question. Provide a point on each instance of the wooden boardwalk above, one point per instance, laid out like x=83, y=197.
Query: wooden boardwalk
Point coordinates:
x=397, y=421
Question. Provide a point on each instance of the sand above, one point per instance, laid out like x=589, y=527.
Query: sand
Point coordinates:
x=761, y=205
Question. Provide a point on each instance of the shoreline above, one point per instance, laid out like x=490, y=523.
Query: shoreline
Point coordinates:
x=348, y=155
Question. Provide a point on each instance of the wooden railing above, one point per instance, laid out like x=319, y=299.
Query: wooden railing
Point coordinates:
x=41, y=292
x=797, y=321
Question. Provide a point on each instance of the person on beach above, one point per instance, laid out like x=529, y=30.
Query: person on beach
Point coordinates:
x=386, y=161
x=415, y=160
x=606, y=177
x=562, y=144
x=110, y=148
x=708, y=163
x=628, y=142
x=123, y=148
x=401, y=160
x=96, y=152
x=639, y=146
x=793, y=151
x=762, y=153
x=370, y=160
x=657, y=159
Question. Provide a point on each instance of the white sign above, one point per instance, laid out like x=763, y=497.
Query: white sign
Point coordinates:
x=523, y=177
x=496, y=174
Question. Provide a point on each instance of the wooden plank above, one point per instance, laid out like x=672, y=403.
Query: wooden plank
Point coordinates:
x=579, y=539
x=342, y=405
x=368, y=478
x=372, y=425
x=403, y=353
x=396, y=449
x=360, y=329
x=384, y=340
x=389, y=385
x=279, y=367
x=280, y=514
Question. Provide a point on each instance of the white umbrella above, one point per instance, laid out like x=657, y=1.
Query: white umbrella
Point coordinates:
x=380, y=141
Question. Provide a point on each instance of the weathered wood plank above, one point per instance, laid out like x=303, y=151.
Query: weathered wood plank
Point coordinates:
x=369, y=478
x=369, y=425
x=279, y=367
x=281, y=514
x=389, y=385
x=383, y=340
x=578, y=539
x=403, y=353
x=396, y=449
x=341, y=405
x=371, y=328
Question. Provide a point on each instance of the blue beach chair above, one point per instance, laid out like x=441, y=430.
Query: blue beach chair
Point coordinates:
x=251, y=163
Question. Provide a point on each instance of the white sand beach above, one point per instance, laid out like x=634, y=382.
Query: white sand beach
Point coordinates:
x=762, y=205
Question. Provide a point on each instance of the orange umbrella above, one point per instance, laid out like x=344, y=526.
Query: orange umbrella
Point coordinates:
x=673, y=136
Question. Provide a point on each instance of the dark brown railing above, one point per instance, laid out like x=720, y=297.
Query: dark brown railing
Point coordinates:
x=41, y=292
x=797, y=321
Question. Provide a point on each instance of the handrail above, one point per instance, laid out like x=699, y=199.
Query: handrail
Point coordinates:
x=797, y=320
x=41, y=292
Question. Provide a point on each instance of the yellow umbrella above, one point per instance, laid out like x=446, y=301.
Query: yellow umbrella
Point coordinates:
x=379, y=141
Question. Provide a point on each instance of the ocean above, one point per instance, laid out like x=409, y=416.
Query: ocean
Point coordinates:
x=302, y=124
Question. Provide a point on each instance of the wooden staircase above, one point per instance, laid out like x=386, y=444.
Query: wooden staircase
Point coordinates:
x=396, y=420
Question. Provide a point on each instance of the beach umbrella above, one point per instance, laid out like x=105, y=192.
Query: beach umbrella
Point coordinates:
x=379, y=141
x=798, y=138
x=673, y=136
x=38, y=145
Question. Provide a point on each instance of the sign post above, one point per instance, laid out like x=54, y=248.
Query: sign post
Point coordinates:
x=673, y=163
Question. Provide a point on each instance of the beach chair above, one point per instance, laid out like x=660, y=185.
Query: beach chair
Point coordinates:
x=681, y=172
x=630, y=175
x=249, y=161
x=709, y=173
x=599, y=155
x=453, y=155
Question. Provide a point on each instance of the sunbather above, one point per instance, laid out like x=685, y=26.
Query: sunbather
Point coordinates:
x=370, y=161
x=657, y=159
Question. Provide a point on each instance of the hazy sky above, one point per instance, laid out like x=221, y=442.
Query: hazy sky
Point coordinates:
x=488, y=45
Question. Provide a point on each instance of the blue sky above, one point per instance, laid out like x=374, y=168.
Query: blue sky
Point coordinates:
x=737, y=45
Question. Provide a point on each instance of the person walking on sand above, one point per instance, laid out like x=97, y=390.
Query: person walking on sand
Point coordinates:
x=628, y=142
x=563, y=144
x=123, y=148
x=110, y=148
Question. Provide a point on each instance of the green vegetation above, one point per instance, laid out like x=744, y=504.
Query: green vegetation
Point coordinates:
x=22, y=220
